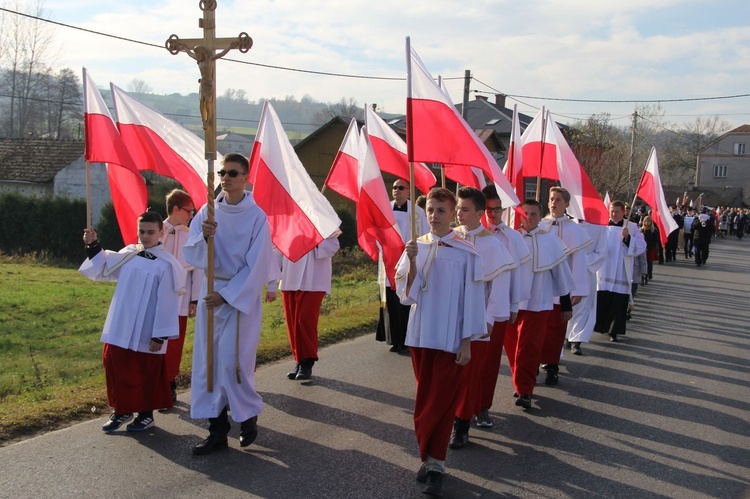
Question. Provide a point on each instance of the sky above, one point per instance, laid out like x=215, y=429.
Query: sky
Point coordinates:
x=635, y=50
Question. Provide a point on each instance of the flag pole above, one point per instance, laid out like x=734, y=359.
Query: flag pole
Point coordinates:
x=88, y=195
x=541, y=155
x=410, y=143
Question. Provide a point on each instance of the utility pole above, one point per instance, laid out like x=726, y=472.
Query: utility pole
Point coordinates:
x=632, y=155
x=467, y=82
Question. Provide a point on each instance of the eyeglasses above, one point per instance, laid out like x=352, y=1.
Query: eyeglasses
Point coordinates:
x=231, y=173
x=399, y=187
x=499, y=209
x=191, y=212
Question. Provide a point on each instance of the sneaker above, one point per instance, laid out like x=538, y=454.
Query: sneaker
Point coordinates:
x=141, y=424
x=434, y=486
x=115, y=421
x=482, y=420
x=524, y=401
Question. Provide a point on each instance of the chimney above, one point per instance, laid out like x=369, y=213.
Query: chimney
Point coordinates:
x=481, y=97
x=500, y=100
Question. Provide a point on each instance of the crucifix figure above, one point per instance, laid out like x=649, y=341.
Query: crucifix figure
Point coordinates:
x=206, y=51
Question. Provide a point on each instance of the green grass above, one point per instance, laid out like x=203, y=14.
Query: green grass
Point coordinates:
x=51, y=319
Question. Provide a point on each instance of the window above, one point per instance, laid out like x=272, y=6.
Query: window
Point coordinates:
x=720, y=171
x=494, y=121
x=739, y=150
x=530, y=189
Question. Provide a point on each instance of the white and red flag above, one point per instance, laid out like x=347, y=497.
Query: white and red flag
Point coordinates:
x=390, y=151
x=436, y=132
x=344, y=174
x=651, y=192
x=157, y=143
x=539, y=152
x=376, y=225
x=103, y=144
x=300, y=217
x=585, y=203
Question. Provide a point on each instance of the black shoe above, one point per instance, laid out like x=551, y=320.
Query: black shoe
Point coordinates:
x=422, y=474
x=248, y=431
x=173, y=387
x=575, y=348
x=613, y=339
x=305, y=370
x=293, y=373
x=551, y=379
x=211, y=444
x=434, y=486
x=394, y=348
x=459, y=439
x=115, y=421
x=524, y=401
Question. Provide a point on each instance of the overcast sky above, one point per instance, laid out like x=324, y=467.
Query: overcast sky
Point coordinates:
x=572, y=49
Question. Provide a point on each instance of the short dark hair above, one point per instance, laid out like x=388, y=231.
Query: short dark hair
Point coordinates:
x=234, y=157
x=177, y=197
x=442, y=195
x=490, y=192
x=151, y=217
x=533, y=202
x=618, y=204
x=474, y=195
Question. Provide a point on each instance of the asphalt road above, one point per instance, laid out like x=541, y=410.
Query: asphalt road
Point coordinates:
x=664, y=413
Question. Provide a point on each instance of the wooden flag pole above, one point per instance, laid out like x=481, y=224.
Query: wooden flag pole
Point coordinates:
x=206, y=51
x=88, y=195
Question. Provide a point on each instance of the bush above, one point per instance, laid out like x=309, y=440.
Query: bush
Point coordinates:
x=49, y=226
x=348, y=237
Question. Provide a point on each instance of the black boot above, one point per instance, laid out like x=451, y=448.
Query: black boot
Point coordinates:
x=551, y=379
x=293, y=373
x=460, y=436
x=305, y=369
x=248, y=431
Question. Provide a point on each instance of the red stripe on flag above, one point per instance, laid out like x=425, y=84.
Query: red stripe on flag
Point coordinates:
x=151, y=152
x=104, y=144
x=343, y=176
x=292, y=231
x=130, y=199
x=372, y=226
x=396, y=163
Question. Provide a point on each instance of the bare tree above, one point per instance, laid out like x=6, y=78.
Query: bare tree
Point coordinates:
x=138, y=86
x=346, y=108
x=28, y=54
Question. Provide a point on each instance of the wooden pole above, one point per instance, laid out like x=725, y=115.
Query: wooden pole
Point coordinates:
x=88, y=195
x=206, y=51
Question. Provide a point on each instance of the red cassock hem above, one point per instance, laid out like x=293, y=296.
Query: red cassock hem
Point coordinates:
x=136, y=381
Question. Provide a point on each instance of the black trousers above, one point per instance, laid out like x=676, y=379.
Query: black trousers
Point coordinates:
x=220, y=425
x=688, y=244
x=701, y=253
x=398, y=320
x=611, y=312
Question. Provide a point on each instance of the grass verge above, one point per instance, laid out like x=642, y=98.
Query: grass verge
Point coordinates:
x=51, y=319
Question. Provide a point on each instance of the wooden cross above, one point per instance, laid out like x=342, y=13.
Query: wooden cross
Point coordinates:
x=206, y=51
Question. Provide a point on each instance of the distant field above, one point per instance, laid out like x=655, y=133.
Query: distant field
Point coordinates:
x=51, y=319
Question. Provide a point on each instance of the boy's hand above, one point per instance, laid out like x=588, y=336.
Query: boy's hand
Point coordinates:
x=575, y=300
x=411, y=249
x=89, y=236
x=192, y=309
x=209, y=228
x=463, y=355
x=154, y=346
x=270, y=296
x=214, y=300
x=512, y=318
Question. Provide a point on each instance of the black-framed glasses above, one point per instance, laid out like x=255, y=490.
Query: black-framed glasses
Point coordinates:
x=231, y=173
x=399, y=187
x=499, y=209
x=191, y=212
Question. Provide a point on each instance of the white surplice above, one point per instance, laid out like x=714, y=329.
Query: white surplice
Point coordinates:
x=174, y=239
x=313, y=271
x=242, y=258
x=576, y=241
x=616, y=274
x=551, y=275
x=497, y=264
x=520, y=278
x=146, y=299
x=447, y=294
x=581, y=325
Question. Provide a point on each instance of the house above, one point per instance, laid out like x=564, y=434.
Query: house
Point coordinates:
x=41, y=167
x=227, y=142
x=725, y=162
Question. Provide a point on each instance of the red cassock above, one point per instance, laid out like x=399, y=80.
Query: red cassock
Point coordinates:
x=136, y=381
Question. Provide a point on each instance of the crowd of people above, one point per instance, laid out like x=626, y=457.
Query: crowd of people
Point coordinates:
x=462, y=294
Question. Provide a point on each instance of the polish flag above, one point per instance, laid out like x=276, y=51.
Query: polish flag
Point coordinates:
x=651, y=192
x=157, y=143
x=539, y=153
x=607, y=200
x=459, y=173
x=377, y=229
x=344, y=174
x=436, y=132
x=585, y=203
x=103, y=144
x=390, y=151
x=300, y=217
x=513, y=170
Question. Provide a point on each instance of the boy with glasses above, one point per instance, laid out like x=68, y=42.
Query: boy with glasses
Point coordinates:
x=180, y=210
